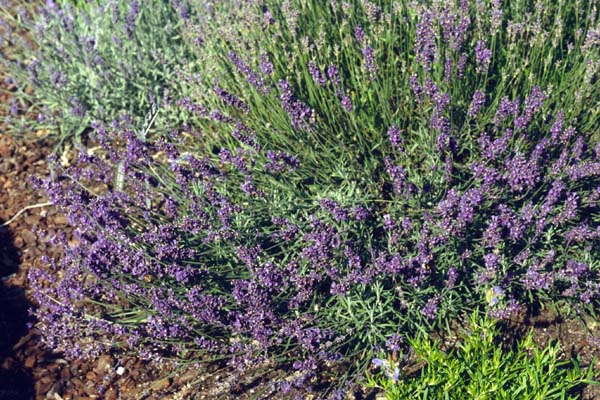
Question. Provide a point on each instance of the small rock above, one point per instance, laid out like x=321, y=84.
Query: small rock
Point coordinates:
x=55, y=392
x=104, y=364
x=90, y=389
x=5, y=150
x=60, y=220
x=120, y=371
x=42, y=133
x=52, y=367
x=187, y=377
x=160, y=384
x=65, y=373
x=32, y=220
x=28, y=236
x=90, y=376
x=77, y=382
x=19, y=242
x=30, y=362
x=131, y=393
x=110, y=394
x=44, y=384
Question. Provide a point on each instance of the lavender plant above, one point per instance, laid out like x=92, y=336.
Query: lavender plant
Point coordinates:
x=67, y=67
x=348, y=174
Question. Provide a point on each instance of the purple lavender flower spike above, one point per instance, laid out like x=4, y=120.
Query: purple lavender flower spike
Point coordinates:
x=452, y=278
x=338, y=212
x=316, y=74
x=346, y=103
x=557, y=127
x=521, y=173
x=359, y=34
x=266, y=67
x=393, y=342
x=462, y=62
x=394, y=134
x=333, y=75
x=398, y=175
x=483, y=56
x=231, y=99
x=448, y=69
x=496, y=13
x=431, y=307
x=252, y=77
x=370, y=64
x=300, y=114
x=533, y=103
x=130, y=26
x=476, y=104
x=505, y=109
x=425, y=46
x=280, y=161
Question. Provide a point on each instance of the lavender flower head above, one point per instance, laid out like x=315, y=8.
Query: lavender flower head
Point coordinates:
x=300, y=114
x=505, y=109
x=395, y=138
x=316, y=74
x=476, y=104
x=533, y=104
x=231, y=99
x=359, y=34
x=483, y=56
x=430, y=309
x=266, y=67
x=496, y=13
x=521, y=173
x=370, y=64
x=280, y=161
x=393, y=342
x=333, y=75
x=425, y=46
x=346, y=103
x=252, y=77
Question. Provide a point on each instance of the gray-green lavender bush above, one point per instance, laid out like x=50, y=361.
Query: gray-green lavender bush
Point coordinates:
x=348, y=174
x=67, y=67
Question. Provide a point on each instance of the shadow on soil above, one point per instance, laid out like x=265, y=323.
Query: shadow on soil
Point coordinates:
x=15, y=382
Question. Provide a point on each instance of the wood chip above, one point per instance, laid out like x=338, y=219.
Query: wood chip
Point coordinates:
x=30, y=361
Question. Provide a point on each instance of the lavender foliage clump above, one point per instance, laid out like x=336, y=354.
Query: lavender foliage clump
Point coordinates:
x=298, y=213
x=112, y=59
